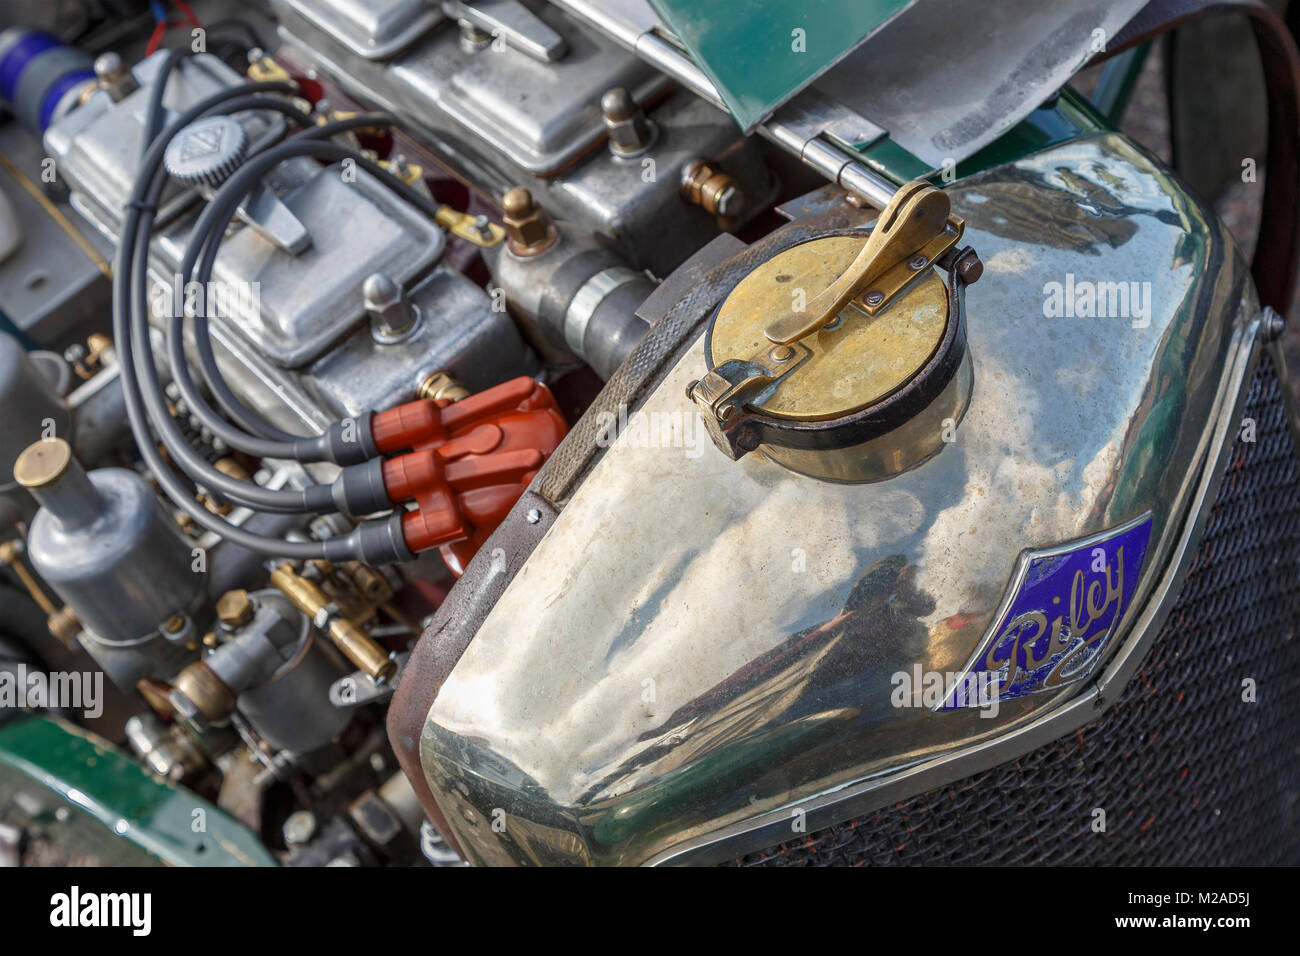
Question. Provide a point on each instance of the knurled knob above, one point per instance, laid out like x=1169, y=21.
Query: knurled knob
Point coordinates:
x=207, y=151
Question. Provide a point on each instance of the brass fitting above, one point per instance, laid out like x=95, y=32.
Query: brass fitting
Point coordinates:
x=712, y=190
x=65, y=625
x=529, y=229
x=208, y=694
x=440, y=385
x=371, y=583
x=405, y=170
x=478, y=230
x=234, y=609
x=358, y=646
x=155, y=694
x=42, y=463
x=11, y=555
x=231, y=468
x=89, y=358
x=263, y=69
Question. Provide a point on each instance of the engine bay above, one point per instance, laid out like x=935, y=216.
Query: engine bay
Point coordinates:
x=342, y=342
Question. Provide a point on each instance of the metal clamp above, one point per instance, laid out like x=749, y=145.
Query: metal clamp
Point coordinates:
x=725, y=390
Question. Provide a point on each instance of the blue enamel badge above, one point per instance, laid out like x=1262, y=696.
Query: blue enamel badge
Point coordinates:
x=1060, y=614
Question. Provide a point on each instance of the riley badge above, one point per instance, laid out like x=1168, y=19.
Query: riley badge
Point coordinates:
x=1060, y=614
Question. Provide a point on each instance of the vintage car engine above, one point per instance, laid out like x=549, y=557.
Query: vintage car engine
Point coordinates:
x=443, y=267
x=323, y=322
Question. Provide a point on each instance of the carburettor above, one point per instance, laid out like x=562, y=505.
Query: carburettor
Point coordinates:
x=104, y=543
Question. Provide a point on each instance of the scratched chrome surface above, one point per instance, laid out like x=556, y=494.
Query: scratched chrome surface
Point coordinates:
x=696, y=640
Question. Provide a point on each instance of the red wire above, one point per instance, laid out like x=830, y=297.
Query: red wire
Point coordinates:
x=160, y=27
x=155, y=39
x=185, y=8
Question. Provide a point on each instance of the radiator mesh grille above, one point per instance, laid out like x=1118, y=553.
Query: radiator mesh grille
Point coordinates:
x=1186, y=772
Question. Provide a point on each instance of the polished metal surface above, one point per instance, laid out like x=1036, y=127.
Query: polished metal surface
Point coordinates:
x=307, y=303
x=624, y=20
x=812, y=114
x=703, y=663
x=941, y=96
x=587, y=300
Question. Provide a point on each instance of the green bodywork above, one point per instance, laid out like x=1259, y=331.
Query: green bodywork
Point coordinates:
x=759, y=53
x=82, y=794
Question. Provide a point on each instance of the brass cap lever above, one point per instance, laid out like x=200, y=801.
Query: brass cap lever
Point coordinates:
x=916, y=215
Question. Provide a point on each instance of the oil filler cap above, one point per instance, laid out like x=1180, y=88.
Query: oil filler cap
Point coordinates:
x=844, y=357
x=206, y=152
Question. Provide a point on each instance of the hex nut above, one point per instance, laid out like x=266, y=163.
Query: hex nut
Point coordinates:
x=234, y=608
x=629, y=130
x=528, y=227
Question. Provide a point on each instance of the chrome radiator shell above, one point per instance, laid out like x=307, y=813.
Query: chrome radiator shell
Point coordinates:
x=1076, y=426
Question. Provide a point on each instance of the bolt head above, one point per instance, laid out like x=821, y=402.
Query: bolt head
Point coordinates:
x=299, y=827
x=517, y=202
x=380, y=291
x=1274, y=324
x=730, y=201
x=528, y=227
x=617, y=104
x=625, y=121
x=970, y=268
x=234, y=608
x=108, y=67
x=390, y=314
